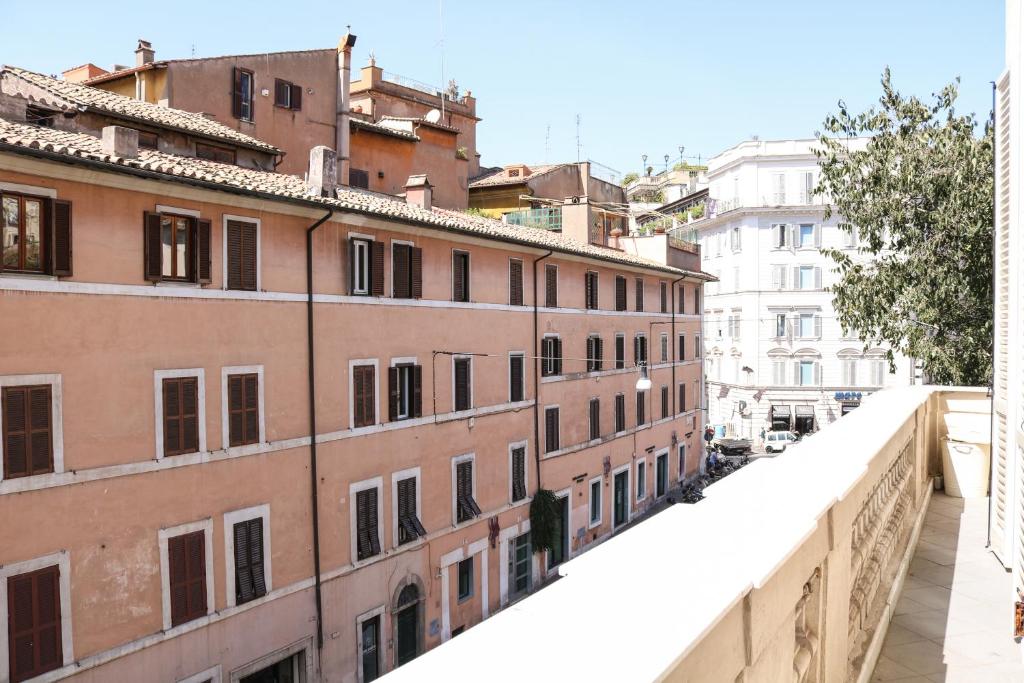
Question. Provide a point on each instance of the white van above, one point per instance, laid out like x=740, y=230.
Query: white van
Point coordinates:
x=776, y=442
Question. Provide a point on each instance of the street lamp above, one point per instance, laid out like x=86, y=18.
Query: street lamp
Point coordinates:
x=681, y=150
x=643, y=169
x=666, y=163
x=643, y=382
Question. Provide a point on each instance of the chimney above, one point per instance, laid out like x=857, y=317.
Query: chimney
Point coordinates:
x=323, y=170
x=144, y=53
x=341, y=130
x=120, y=142
x=419, y=192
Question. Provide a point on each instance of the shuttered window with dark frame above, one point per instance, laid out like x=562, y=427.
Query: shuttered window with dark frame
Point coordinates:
x=595, y=353
x=620, y=293
x=641, y=416
x=186, y=562
x=682, y=397
x=620, y=352
x=518, y=473
x=242, y=257
x=460, y=276
x=359, y=178
x=364, y=400
x=177, y=248
x=35, y=235
x=515, y=282
x=181, y=415
x=620, y=413
x=405, y=392
x=590, y=289
x=516, y=378
x=551, y=356
x=33, y=623
x=222, y=155
x=287, y=95
x=243, y=409
x=551, y=430
x=409, y=526
x=242, y=86
x=682, y=348
x=551, y=286
x=27, y=430
x=465, y=504
x=367, y=531
x=250, y=576
x=664, y=297
x=595, y=418
x=665, y=410
x=639, y=349
x=365, y=267
x=639, y=294
x=463, y=384
x=407, y=275
x=682, y=300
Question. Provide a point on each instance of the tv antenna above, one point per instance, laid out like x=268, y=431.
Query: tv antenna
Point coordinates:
x=440, y=22
x=547, y=144
x=578, y=146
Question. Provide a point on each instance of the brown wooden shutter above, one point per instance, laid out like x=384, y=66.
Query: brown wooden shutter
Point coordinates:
x=640, y=417
x=462, y=397
x=400, y=276
x=181, y=419
x=416, y=272
x=558, y=356
x=377, y=268
x=60, y=249
x=203, y=251
x=664, y=297
x=281, y=92
x=368, y=541
x=250, y=577
x=236, y=92
x=636, y=350
x=417, y=390
x=296, y=93
x=236, y=410
x=620, y=293
x=187, y=565
x=515, y=365
x=664, y=402
x=682, y=398
x=595, y=418
x=518, y=473
x=241, y=259
x=394, y=394
x=588, y=287
x=590, y=354
x=620, y=352
x=550, y=430
x=33, y=623
x=458, y=277
x=515, y=282
x=639, y=294
x=190, y=414
x=363, y=409
x=152, y=260
x=551, y=286
x=403, y=509
x=599, y=344
x=28, y=432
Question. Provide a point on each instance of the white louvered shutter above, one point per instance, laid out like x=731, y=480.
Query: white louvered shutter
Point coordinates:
x=817, y=236
x=817, y=326
x=817, y=277
x=817, y=374
x=797, y=284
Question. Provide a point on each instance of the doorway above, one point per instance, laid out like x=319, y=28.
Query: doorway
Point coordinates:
x=560, y=550
x=661, y=475
x=804, y=419
x=620, y=506
x=407, y=625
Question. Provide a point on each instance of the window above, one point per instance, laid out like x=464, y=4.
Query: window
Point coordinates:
x=366, y=267
x=242, y=259
x=359, y=178
x=27, y=417
x=641, y=479
x=180, y=415
x=551, y=356
x=734, y=238
x=40, y=116
x=550, y=429
x=250, y=579
x=287, y=95
x=186, y=564
x=807, y=373
x=664, y=347
x=661, y=475
x=515, y=282
x=779, y=277
x=620, y=352
x=620, y=293
x=641, y=418
x=463, y=373
x=696, y=300
x=620, y=413
x=465, y=504
x=778, y=373
x=639, y=349
x=34, y=631
x=404, y=391
x=781, y=328
x=810, y=326
x=221, y=155
x=520, y=565
x=559, y=551
x=241, y=95
x=551, y=286
x=516, y=377
x=849, y=372
x=682, y=397
x=664, y=402
x=367, y=532
x=177, y=248
x=590, y=289
x=364, y=395
x=780, y=233
x=682, y=461
x=663, y=286
x=369, y=648
x=595, y=501
x=849, y=236
x=595, y=418
x=682, y=347
x=595, y=352
x=466, y=579
x=639, y=294
x=460, y=276
x=808, y=277
x=779, y=185
x=808, y=236
x=243, y=409
x=406, y=271
x=806, y=187
x=682, y=300
x=409, y=526
x=518, y=464
x=35, y=236
x=148, y=140
x=877, y=372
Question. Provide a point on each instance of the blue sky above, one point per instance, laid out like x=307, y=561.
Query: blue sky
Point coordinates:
x=645, y=77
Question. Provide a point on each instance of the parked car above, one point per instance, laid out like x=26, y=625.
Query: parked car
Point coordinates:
x=776, y=442
x=731, y=446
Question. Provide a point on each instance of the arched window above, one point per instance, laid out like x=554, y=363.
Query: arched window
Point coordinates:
x=408, y=596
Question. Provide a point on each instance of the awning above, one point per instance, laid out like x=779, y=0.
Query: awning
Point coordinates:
x=805, y=411
x=757, y=395
x=780, y=412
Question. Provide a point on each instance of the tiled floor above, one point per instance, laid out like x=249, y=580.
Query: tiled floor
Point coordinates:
x=954, y=618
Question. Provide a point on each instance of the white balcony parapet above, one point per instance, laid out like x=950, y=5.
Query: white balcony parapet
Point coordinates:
x=788, y=570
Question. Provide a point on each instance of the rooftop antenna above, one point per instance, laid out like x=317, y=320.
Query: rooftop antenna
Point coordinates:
x=193, y=49
x=547, y=144
x=578, y=119
x=440, y=22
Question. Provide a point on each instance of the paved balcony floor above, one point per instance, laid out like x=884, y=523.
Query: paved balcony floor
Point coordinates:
x=954, y=617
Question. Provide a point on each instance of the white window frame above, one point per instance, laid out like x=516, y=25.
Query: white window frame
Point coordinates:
x=591, y=522
x=382, y=628
x=353, y=522
x=525, y=445
x=392, y=278
x=304, y=647
x=456, y=251
x=261, y=512
x=522, y=378
x=800, y=236
x=780, y=230
x=63, y=562
x=410, y=473
x=641, y=480
x=471, y=392
x=668, y=473
x=849, y=366
x=56, y=423
x=352, y=392
x=163, y=536
x=522, y=273
x=158, y=400
x=456, y=461
x=681, y=474
x=543, y=359
x=369, y=240
x=224, y=251
x=395, y=362
x=630, y=495
x=782, y=318
x=214, y=674
x=225, y=417
x=800, y=319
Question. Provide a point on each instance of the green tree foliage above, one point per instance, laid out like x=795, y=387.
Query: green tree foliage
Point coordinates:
x=921, y=199
x=629, y=178
x=543, y=520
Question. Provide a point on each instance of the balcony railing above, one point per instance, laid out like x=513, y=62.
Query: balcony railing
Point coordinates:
x=789, y=569
x=545, y=218
x=413, y=84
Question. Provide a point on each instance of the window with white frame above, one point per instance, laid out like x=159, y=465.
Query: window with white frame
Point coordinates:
x=781, y=326
x=850, y=237
x=641, y=479
x=596, y=487
x=31, y=425
x=186, y=564
x=849, y=372
x=779, y=372
x=808, y=236
x=180, y=397
x=779, y=187
x=878, y=372
x=365, y=513
x=247, y=554
x=780, y=236
x=779, y=277
x=734, y=238
x=807, y=277
x=808, y=325
x=38, y=593
x=807, y=372
x=807, y=187
x=360, y=264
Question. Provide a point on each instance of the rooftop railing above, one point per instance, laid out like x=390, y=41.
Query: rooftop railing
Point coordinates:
x=427, y=88
x=545, y=218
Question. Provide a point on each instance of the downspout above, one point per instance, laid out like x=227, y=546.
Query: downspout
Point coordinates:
x=992, y=381
x=674, y=342
x=310, y=363
x=536, y=372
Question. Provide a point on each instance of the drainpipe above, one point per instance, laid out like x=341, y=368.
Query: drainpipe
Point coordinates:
x=310, y=363
x=536, y=372
x=674, y=341
x=992, y=381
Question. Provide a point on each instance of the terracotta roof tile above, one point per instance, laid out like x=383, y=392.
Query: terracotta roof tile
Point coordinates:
x=501, y=176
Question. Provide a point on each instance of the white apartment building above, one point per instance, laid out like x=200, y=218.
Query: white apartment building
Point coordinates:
x=775, y=353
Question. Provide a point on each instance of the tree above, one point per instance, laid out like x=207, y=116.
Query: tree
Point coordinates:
x=629, y=178
x=920, y=197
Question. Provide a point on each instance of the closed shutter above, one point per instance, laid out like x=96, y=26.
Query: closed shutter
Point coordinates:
x=400, y=281
x=817, y=236
x=282, y=92
x=550, y=430
x=462, y=394
x=363, y=388
x=61, y=239
x=241, y=248
x=518, y=473
x=33, y=623
x=587, y=287
x=595, y=418
x=153, y=249
x=377, y=268
x=203, y=251
x=186, y=559
x=28, y=430
x=817, y=326
x=636, y=350
x=296, y=96
x=590, y=354
x=556, y=344
x=682, y=300
x=797, y=376
x=682, y=398
x=682, y=348
x=243, y=409
x=515, y=282
x=792, y=238
x=620, y=352
x=181, y=418
x=798, y=282
x=620, y=293
x=1006, y=433
x=599, y=353
x=515, y=379
x=367, y=538
x=417, y=390
x=664, y=402
x=620, y=413
x=236, y=92
x=394, y=394
x=817, y=278
x=416, y=273
x=664, y=297
x=409, y=526
x=250, y=577
x=551, y=286
x=466, y=507
x=639, y=294
x=641, y=417
x=459, y=263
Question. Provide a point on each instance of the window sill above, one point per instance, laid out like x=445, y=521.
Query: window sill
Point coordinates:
x=464, y=599
x=28, y=276
x=177, y=285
